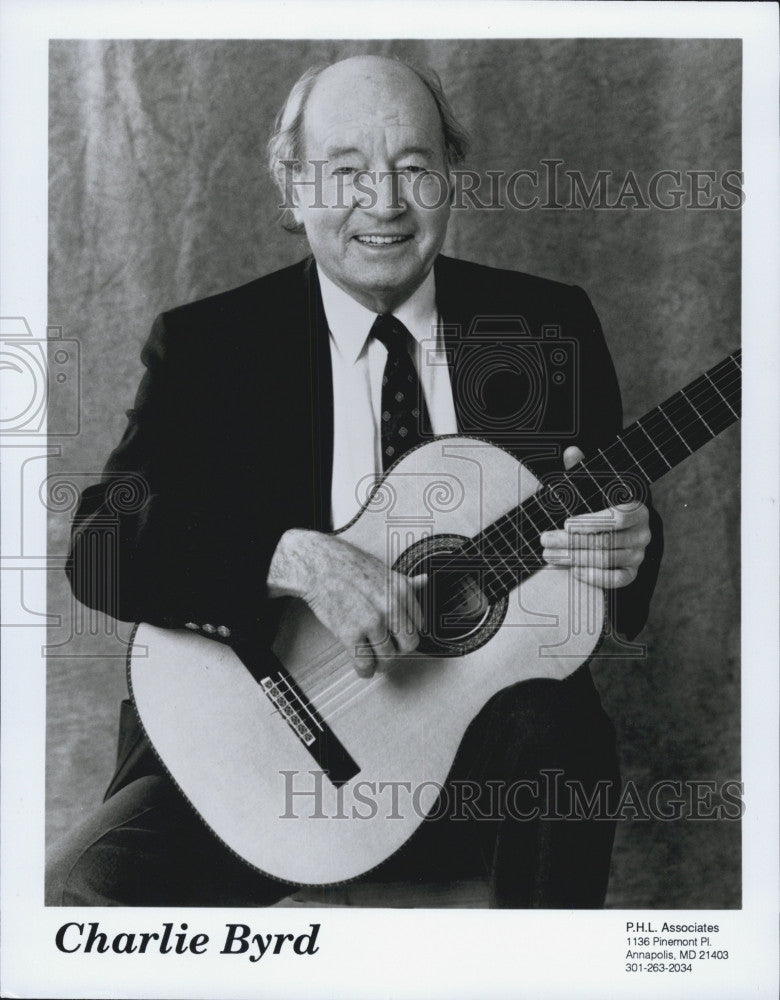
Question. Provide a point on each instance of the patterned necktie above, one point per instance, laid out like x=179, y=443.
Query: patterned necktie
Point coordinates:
x=405, y=417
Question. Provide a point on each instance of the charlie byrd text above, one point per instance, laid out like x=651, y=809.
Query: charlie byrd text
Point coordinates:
x=88, y=938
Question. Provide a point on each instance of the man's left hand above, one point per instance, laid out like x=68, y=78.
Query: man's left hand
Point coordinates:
x=609, y=544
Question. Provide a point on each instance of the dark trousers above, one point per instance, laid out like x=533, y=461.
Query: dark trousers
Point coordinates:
x=526, y=805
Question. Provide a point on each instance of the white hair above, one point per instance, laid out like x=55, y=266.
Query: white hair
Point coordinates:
x=286, y=142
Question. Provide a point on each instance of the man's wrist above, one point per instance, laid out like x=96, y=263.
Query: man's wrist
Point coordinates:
x=288, y=574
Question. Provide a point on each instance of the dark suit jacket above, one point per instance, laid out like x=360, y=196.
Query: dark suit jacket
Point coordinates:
x=231, y=435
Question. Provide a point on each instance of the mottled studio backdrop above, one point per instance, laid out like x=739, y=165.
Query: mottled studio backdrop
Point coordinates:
x=159, y=194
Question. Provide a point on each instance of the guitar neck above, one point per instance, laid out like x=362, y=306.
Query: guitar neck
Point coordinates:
x=509, y=549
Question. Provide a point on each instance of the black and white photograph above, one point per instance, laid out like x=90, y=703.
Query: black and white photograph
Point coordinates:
x=387, y=574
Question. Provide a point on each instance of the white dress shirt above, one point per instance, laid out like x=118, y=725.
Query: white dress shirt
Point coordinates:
x=358, y=363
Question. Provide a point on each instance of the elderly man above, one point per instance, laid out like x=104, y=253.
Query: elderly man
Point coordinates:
x=262, y=413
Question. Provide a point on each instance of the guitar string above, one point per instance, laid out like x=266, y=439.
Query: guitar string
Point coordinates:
x=493, y=532
x=350, y=694
x=331, y=678
x=338, y=690
x=661, y=439
x=530, y=512
x=343, y=672
x=342, y=696
x=699, y=412
x=365, y=687
x=322, y=668
x=320, y=682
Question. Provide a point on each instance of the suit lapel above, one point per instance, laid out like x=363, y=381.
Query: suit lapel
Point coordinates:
x=294, y=416
x=456, y=305
x=320, y=383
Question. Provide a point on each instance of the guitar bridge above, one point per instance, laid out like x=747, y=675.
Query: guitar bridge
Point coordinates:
x=287, y=710
x=325, y=748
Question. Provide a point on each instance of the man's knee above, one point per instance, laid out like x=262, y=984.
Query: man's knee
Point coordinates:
x=71, y=877
x=88, y=866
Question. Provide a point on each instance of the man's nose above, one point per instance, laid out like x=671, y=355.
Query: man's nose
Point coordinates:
x=383, y=193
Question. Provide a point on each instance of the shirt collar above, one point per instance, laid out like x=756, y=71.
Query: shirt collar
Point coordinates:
x=350, y=323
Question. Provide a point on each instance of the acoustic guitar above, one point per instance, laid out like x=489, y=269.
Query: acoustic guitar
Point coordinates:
x=314, y=775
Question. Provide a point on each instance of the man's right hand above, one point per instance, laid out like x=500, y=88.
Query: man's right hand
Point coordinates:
x=372, y=611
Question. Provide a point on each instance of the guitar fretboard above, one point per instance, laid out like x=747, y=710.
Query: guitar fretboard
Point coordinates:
x=508, y=550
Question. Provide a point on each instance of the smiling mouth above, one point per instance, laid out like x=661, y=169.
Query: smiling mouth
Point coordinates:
x=381, y=241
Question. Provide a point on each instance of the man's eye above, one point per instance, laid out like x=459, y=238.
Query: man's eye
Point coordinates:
x=344, y=170
x=412, y=168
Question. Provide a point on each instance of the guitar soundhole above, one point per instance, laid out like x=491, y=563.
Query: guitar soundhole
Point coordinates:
x=458, y=616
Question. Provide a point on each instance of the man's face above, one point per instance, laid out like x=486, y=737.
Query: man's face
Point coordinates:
x=378, y=130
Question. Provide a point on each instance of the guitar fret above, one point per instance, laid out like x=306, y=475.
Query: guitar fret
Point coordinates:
x=497, y=526
x=619, y=477
x=709, y=405
x=612, y=467
x=722, y=423
x=570, y=480
x=586, y=498
x=635, y=459
x=495, y=586
x=494, y=590
x=670, y=445
x=645, y=445
x=721, y=395
x=527, y=513
x=670, y=432
x=529, y=544
x=513, y=544
x=652, y=442
x=599, y=491
x=543, y=509
x=495, y=552
x=679, y=435
x=682, y=393
x=688, y=423
x=523, y=548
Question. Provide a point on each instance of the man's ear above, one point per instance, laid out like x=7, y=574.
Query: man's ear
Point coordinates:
x=287, y=172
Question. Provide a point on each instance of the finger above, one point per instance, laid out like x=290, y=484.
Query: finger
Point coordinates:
x=414, y=600
x=404, y=614
x=622, y=515
x=559, y=539
x=408, y=638
x=586, y=524
x=613, y=519
x=605, y=579
x=571, y=457
x=562, y=541
x=598, y=557
x=363, y=659
x=566, y=538
x=383, y=644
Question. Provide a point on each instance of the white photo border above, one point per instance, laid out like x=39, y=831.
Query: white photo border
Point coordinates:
x=385, y=952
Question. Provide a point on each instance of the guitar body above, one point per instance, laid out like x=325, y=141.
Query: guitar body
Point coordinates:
x=241, y=751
